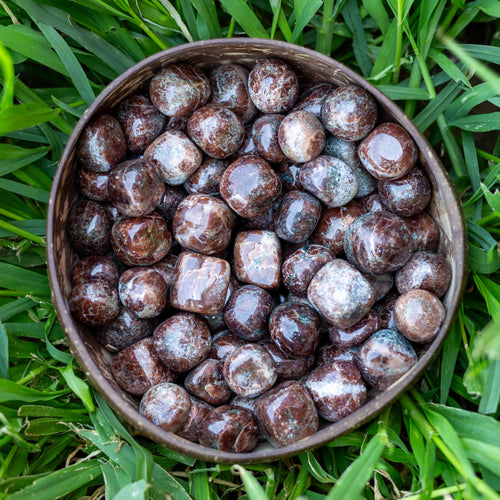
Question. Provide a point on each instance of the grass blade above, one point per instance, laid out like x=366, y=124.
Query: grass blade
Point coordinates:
x=252, y=487
x=245, y=17
x=7, y=65
x=20, y=116
x=4, y=351
x=207, y=11
x=10, y=391
x=69, y=61
x=17, y=278
x=304, y=12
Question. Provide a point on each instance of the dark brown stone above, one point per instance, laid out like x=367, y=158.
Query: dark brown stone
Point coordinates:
x=288, y=172
x=89, y=226
x=229, y=84
x=143, y=291
x=425, y=232
x=418, y=315
x=425, y=271
x=223, y=344
x=93, y=185
x=337, y=389
x=182, y=341
x=328, y=354
x=313, y=99
x=341, y=293
x=333, y=224
x=265, y=137
x=250, y=186
x=287, y=414
x=407, y=195
x=288, y=367
x=229, y=428
x=349, y=112
x=199, y=409
x=207, y=382
x=200, y=284
x=170, y=200
x=330, y=180
x=206, y=178
x=95, y=267
x=141, y=121
x=294, y=327
x=203, y=223
x=273, y=86
x=216, y=130
x=174, y=155
x=257, y=258
x=179, y=89
x=378, y=243
x=141, y=241
x=166, y=405
x=250, y=370
x=94, y=302
x=135, y=187
x=299, y=269
x=102, y=144
x=357, y=333
x=388, y=152
x=247, y=312
x=137, y=368
x=384, y=358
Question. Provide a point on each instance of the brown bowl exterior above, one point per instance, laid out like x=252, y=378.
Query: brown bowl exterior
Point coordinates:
x=92, y=357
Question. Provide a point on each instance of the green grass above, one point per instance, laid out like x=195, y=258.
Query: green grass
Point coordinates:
x=58, y=439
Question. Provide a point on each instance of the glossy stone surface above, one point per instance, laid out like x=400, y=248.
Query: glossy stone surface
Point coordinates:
x=418, y=315
x=179, y=89
x=247, y=312
x=206, y=178
x=166, y=268
x=384, y=358
x=95, y=267
x=299, y=269
x=182, y=341
x=273, y=86
x=288, y=172
x=166, y=405
x=337, y=389
x=349, y=112
x=141, y=241
x=425, y=232
x=137, y=368
x=89, y=226
x=407, y=195
x=386, y=310
x=93, y=185
x=257, y=258
x=216, y=130
x=328, y=354
x=425, y=271
x=264, y=221
x=333, y=224
x=330, y=180
x=207, y=382
x=313, y=99
x=357, y=333
x=341, y=293
x=250, y=370
x=265, y=137
x=288, y=367
x=199, y=409
x=203, y=223
x=388, y=152
x=295, y=327
x=229, y=83
x=247, y=146
x=102, y=144
x=143, y=292
x=174, y=155
x=381, y=283
x=200, y=283
x=378, y=243
x=297, y=217
x=94, y=302
x=125, y=329
x=140, y=120
x=372, y=203
x=347, y=151
x=250, y=186
x=223, y=344
x=135, y=187
x=170, y=200
x=229, y=428
x=287, y=414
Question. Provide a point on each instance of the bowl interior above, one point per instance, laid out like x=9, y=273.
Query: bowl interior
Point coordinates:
x=92, y=357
